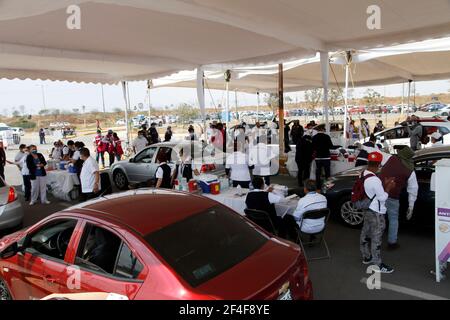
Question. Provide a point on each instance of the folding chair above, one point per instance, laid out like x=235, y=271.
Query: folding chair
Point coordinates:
x=262, y=219
x=315, y=215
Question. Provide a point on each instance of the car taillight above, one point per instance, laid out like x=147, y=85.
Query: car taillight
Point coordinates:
x=11, y=195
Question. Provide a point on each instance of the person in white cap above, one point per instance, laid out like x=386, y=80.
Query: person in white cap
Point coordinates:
x=436, y=139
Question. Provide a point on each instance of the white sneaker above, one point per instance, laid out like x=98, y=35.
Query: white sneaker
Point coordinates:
x=32, y=203
x=46, y=202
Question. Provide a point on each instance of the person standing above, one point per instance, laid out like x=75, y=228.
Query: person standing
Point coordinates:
x=163, y=174
x=100, y=147
x=296, y=132
x=399, y=167
x=361, y=159
x=415, y=133
x=287, y=129
x=153, y=133
x=2, y=160
x=89, y=176
x=321, y=144
x=186, y=167
x=36, y=165
x=303, y=158
x=237, y=167
x=42, y=136
x=139, y=143
x=76, y=157
x=118, y=150
x=168, y=135
x=260, y=157
x=191, y=134
x=436, y=139
x=364, y=129
x=374, y=216
x=20, y=162
x=109, y=141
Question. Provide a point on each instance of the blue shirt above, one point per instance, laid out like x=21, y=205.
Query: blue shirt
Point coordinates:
x=39, y=171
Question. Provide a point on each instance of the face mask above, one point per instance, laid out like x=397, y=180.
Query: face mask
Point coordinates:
x=34, y=152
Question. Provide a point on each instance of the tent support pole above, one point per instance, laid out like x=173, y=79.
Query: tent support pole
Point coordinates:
x=257, y=106
x=227, y=106
x=149, y=88
x=409, y=97
x=103, y=100
x=324, y=60
x=201, y=95
x=124, y=90
x=281, y=107
x=346, y=122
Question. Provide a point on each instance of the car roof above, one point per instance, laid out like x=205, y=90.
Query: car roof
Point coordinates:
x=145, y=210
x=436, y=124
x=432, y=151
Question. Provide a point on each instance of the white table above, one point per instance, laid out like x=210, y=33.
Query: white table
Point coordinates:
x=336, y=166
x=62, y=183
x=230, y=199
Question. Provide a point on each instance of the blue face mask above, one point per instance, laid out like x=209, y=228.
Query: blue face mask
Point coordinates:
x=34, y=152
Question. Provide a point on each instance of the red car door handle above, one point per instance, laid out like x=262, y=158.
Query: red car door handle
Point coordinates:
x=49, y=279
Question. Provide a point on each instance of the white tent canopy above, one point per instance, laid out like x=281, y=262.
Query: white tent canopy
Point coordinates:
x=143, y=39
x=422, y=61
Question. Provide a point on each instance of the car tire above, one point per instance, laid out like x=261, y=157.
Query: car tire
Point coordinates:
x=445, y=114
x=348, y=214
x=120, y=180
x=5, y=295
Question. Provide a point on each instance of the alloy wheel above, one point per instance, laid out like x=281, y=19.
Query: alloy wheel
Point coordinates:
x=350, y=215
x=120, y=180
x=4, y=292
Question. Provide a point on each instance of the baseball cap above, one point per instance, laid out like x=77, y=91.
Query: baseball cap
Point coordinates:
x=436, y=135
x=375, y=157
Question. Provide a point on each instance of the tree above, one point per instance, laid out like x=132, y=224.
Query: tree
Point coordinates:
x=56, y=113
x=272, y=101
x=16, y=113
x=334, y=99
x=313, y=98
x=186, y=112
x=22, y=109
x=117, y=110
x=44, y=112
x=372, y=98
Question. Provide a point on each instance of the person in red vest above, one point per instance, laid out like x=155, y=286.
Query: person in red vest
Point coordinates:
x=118, y=150
x=100, y=147
x=401, y=168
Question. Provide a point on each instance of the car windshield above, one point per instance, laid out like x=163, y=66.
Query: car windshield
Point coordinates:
x=207, y=244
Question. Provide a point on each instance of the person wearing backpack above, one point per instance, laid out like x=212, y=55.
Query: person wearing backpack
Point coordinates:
x=369, y=196
x=417, y=133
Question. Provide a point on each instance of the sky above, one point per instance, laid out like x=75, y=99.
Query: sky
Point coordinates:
x=68, y=96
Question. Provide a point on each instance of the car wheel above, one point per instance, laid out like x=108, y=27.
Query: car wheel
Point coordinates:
x=349, y=215
x=4, y=292
x=120, y=180
x=445, y=114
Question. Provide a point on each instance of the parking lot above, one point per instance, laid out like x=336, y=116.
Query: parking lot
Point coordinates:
x=344, y=276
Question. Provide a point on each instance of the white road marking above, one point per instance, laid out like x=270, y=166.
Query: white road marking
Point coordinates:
x=407, y=291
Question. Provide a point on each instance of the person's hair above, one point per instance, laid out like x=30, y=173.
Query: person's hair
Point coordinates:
x=70, y=143
x=85, y=152
x=22, y=146
x=191, y=130
x=258, y=182
x=372, y=138
x=79, y=144
x=99, y=131
x=32, y=146
x=373, y=164
x=310, y=185
x=162, y=157
x=115, y=135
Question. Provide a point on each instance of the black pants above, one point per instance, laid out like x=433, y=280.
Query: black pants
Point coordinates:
x=304, y=170
x=88, y=196
x=243, y=184
x=2, y=171
x=111, y=158
x=27, y=186
x=325, y=164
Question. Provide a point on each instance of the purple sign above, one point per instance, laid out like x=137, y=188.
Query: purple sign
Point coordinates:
x=444, y=212
x=445, y=254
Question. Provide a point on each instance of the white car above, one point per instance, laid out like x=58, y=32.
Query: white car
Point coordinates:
x=445, y=112
x=7, y=135
x=19, y=131
x=399, y=136
x=120, y=122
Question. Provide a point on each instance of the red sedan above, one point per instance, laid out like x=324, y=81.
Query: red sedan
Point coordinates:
x=149, y=244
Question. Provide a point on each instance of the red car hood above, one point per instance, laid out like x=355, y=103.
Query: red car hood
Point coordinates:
x=258, y=277
x=13, y=237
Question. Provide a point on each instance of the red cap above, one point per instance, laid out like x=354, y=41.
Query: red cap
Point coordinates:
x=375, y=157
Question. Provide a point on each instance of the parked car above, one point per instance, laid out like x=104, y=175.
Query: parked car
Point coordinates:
x=120, y=122
x=8, y=136
x=357, y=110
x=182, y=246
x=18, y=131
x=11, y=211
x=399, y=135
x=445, y=112
x=338, y=191
x=143, y=166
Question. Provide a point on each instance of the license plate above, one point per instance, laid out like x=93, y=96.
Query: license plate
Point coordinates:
x=286, y=296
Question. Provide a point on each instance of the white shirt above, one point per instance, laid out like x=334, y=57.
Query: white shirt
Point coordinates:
x=139, y=144
x=260, y=156
x=56, y=154
x=18, y=159
x=238, y=163
x=412, y=187
x=160, y=172
x=87, y=175
x=76, y=155
x=437, y=144
x=273, y=198
x=65, y=150
x=23, y=165
x=311, y=201
x=374, y=190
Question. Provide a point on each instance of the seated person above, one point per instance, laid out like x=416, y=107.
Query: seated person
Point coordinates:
x=311, y=201
x=258, y=199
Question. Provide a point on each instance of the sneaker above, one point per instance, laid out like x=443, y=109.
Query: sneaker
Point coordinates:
x=393, y=246
x=383, y=268
x=367, y=260
x=46, y=202
x=32, y=203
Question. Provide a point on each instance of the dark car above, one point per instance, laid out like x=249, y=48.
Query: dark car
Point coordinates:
x=338, y=191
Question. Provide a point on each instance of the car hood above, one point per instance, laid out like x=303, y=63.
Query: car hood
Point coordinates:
x=354, y=172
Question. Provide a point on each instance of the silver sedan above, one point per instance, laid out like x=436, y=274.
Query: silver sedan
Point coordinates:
x=11, y=211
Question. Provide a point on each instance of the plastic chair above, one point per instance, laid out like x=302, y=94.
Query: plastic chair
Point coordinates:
x=262, y=219
x=315, y=215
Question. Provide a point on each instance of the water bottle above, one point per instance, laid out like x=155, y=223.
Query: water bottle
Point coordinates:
x=239, y=190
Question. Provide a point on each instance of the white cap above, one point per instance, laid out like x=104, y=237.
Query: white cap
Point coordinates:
x=436, y=135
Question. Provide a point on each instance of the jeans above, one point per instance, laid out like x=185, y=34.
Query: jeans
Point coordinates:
x=392, y=206
x=101, y=155
x=325, y=164
x=371, y=236
x=118, y=157
x=27, y=186
x=303, y=172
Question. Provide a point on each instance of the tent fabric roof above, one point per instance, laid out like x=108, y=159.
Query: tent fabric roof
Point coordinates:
x=425, y=60
x=145, y=39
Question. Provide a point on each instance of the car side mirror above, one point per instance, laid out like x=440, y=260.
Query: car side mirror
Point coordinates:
x=10, y=251
x=131, y=159
x=382, y=139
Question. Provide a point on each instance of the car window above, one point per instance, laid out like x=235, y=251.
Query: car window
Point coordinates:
x=168, y=152
x=443, y=130
x=101, y=250
x=207, y=244
x=146, y=156
x=52, y=239
x=425, y=167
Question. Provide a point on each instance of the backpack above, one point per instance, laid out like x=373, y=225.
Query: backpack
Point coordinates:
x=424, y=139
x=359, y=198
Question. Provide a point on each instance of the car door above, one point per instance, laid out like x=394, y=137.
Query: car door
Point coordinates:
x=107, y=262
x=38, y=267
x=139, y=169
x=171, y=159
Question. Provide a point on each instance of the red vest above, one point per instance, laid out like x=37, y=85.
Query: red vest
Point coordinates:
x=394, y=168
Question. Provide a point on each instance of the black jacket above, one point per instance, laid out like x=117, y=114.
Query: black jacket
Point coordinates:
x=322, y=145
x=303, y=151
x=32, y=166
x=2, y=157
